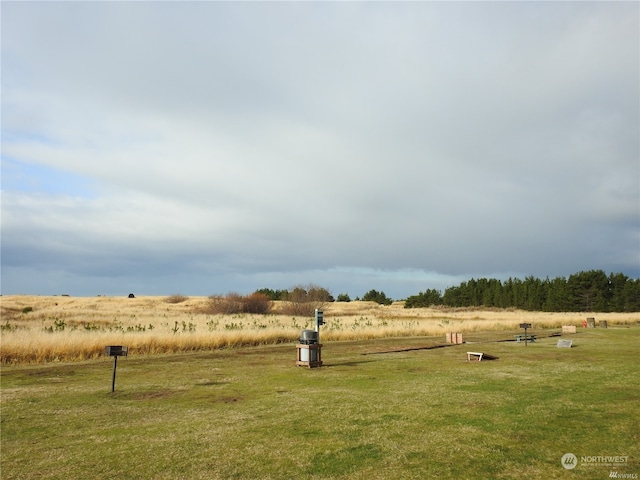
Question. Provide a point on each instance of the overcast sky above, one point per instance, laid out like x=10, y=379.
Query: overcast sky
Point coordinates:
x=214, y=147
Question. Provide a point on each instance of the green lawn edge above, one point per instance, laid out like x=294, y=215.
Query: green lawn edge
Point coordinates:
x=377, y=409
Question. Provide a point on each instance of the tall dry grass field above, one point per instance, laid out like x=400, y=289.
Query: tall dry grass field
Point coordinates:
x=43, y=329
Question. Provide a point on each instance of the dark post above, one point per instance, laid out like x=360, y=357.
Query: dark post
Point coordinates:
x=113, y=380
x=115, y=351
x=319, y=321
x=525, y=326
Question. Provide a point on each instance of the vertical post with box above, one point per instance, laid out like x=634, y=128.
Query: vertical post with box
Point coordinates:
x=115, y=351
x=525, y=326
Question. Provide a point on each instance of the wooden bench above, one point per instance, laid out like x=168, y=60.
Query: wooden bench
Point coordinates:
x=529, y=338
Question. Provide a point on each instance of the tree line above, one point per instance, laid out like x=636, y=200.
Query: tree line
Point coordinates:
x=314, y=293
x=588, y=291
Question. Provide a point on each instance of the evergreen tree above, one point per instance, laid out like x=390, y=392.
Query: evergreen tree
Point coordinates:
x=427, y=298
x=378, y=297
x=631, y=295
x=592, y=291
x=534, y=294
x=452, y=297
x=272, y=294
x=558, y=297
x=617, y=284
x=589, y=291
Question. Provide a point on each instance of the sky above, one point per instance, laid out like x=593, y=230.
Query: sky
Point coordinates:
x=213, y=147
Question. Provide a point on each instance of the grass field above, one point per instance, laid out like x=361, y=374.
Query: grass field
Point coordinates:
x=385, y=408
x=38, y=329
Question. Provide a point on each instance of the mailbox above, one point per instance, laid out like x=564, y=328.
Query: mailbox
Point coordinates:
x=116, y=351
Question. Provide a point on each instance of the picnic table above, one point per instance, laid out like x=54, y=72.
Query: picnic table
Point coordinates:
x=529, y=338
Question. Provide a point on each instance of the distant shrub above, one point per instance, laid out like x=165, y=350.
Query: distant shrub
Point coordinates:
x=224, y=304
x=303, y=300
x=305, y=309
x=27, y=309
x=231, y=303
x=343, y=297
x=176, y=298
x=256, y=303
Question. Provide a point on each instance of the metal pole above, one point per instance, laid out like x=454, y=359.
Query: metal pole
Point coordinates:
x=317, y=325
x=525, y=336
x=113, y=381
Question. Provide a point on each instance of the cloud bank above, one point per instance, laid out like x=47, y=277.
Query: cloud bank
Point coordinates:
x=212, y=147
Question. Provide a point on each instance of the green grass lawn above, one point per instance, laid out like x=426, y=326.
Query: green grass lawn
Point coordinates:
x=372, y=412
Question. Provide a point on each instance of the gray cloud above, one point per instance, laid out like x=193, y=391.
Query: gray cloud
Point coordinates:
x=225, y=145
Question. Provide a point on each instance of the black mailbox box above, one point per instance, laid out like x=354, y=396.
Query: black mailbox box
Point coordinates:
x=116, y=351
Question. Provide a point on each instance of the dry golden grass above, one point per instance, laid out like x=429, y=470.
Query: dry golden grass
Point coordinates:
x=43, y=329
